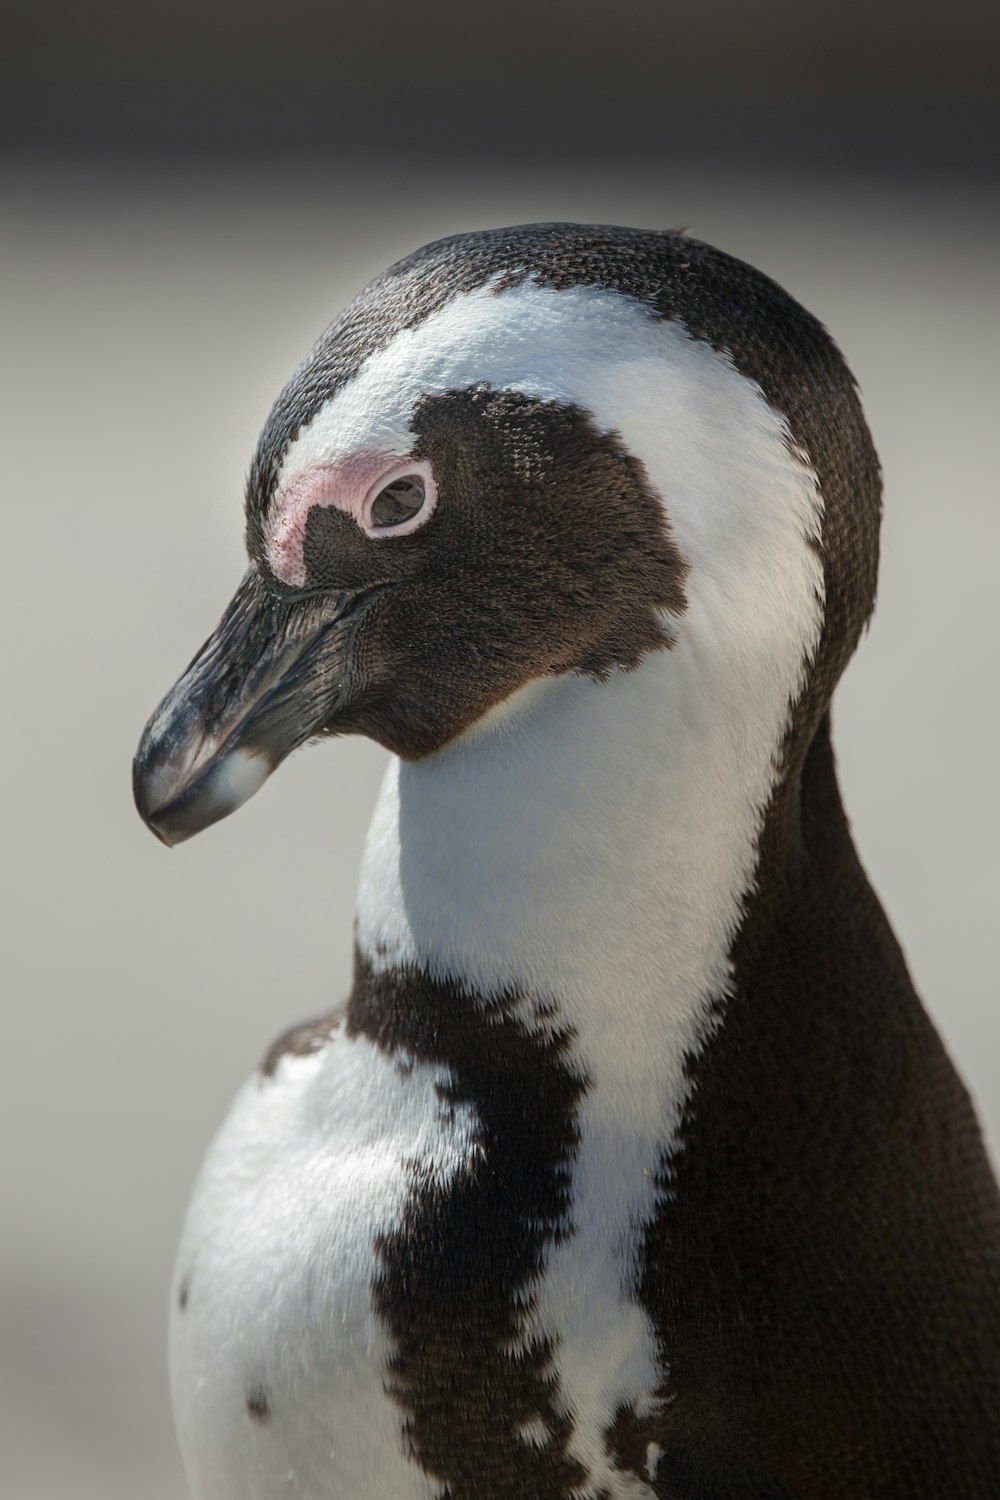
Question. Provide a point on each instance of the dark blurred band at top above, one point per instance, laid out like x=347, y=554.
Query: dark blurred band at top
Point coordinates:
x=908, y=88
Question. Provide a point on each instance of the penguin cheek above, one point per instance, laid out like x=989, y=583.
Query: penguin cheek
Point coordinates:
x=337, y=555
x=437, y=653
x=417, y=677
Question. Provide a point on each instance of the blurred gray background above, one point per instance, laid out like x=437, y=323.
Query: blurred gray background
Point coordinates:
x=189, y=193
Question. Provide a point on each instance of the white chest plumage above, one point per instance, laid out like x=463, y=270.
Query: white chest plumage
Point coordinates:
x=278, y=1364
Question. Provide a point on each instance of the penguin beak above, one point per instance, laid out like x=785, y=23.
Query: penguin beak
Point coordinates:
x=273, y=673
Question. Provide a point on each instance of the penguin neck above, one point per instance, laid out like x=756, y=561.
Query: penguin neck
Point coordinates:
x=589, y=847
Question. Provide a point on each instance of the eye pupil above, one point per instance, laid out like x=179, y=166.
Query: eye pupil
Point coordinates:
x=398, y=501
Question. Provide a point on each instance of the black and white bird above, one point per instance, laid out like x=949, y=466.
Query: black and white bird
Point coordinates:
x=632, y=1165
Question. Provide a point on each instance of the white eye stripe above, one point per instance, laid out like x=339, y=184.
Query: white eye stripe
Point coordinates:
x=530, y=339
x=704, y=432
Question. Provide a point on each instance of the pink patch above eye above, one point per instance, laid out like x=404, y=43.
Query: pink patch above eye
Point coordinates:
x=350, y=485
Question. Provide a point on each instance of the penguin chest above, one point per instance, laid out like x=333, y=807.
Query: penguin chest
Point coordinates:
x=279, y=1363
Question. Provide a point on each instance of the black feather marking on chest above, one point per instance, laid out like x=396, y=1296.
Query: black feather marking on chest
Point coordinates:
x=454, y=1283
x=302, y=1040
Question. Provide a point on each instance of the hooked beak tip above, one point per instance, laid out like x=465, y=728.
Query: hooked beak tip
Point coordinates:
x=145, y=805
x=158, y=833
x=191, y=805
x=268, y=678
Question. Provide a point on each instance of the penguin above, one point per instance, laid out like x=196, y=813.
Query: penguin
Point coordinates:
x=632, y=1165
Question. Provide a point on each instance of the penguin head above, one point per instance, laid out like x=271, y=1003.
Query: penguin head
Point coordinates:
x=519, y=456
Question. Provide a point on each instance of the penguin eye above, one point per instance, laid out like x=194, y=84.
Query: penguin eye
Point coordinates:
x=398, y=501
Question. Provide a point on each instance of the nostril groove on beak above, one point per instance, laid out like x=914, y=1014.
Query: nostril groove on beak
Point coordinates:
x=267, y=680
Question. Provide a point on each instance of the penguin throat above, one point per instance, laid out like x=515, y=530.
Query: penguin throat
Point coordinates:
x=589, y=845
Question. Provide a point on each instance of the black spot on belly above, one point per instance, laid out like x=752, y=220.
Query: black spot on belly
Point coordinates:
x=258, y=1405
x=184, y=1292
x=301, y=1041
x=453, y=1284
